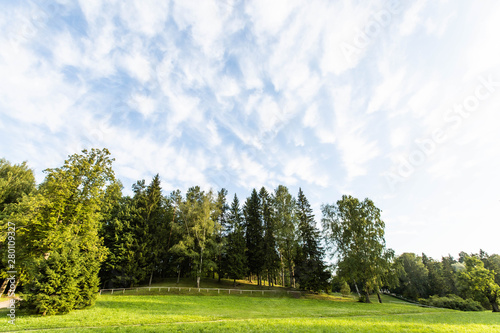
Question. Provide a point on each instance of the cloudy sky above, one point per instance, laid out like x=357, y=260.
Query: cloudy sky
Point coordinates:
x=392, y=100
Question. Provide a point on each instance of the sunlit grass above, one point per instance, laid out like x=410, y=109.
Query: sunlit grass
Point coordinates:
x=191, y=313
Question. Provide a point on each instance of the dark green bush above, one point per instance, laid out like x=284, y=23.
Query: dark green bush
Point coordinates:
x=452, y=302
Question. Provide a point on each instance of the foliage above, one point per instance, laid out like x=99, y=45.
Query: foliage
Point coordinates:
x=311, y=273
x=235, y=258
x=355, y=229
x=271, y=259
x=286, y=231
x=481, y=282
x=345, y=290
x=452, y=302
x=254, y=232
x=60, y=233
x=413, y=278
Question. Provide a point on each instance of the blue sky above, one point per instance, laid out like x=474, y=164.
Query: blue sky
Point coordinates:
x=392, y=100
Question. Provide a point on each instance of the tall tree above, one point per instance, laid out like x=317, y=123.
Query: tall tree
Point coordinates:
x=286, y=227
x=254, y=235
x=435, y=282
x=61, y=233
x=16, y=182
x=481, y=281
x=154, y=217
x=357, y=231
x=220, y=220
x=311, y=271
x=271, y=258
x=196, y=211
x=413, y=280
x=235, y=260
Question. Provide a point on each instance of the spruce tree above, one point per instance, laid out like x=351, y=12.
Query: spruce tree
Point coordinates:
x=254, y=235
x=311, y=273
x=220, y=220
x=235, y=261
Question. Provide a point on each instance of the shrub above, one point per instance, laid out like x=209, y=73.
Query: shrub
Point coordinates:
x=452, y=302
x=345, y=290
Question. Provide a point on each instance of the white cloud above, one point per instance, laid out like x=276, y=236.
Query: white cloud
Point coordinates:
x=412, y=18
x=146, y=105
x=305, y=168
x=147, y=17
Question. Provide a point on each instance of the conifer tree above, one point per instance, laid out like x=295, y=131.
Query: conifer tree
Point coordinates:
x=220, y=220
x=254, y=235
x=311, y=273
x=61, y=233
x=235, y=261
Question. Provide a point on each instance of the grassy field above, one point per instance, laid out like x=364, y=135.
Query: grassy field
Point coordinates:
x=240, y=313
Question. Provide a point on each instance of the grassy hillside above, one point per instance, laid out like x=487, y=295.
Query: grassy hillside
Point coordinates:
x=191, y=313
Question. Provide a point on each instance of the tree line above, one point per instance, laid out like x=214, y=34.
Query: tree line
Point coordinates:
x=76, y=232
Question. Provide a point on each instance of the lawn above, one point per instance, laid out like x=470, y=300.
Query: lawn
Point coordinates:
x=243, y=313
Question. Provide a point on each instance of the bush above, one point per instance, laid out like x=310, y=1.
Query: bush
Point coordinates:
x=345, y=290
x=452, y=302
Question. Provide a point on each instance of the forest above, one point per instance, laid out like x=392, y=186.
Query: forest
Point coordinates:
x=76, y=232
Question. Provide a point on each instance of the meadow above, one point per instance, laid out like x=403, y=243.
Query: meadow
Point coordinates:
x=244, y=313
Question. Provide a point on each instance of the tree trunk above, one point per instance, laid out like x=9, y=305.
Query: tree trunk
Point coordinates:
x=367, y=297
x=4, y=285
x=219, y=269
x=379, y=298
x=494, y=304
x=179, y=274
x=151, y=278
x=234, y=283
x=357, y=290
x=199, y=270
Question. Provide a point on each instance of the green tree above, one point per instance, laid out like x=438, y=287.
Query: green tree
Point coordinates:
x=413, y=280
x=345, y=290
x=357, y=231
x=311, y=273
x=254, y=235
x=481, y=281
x=196, y=211
x=16, y=182
x=61, y=233
x=220, y=220
x=435, y=282
x=286, y=231
x=121, y=269
x=271, y=258
x=152, y=217
x=235, y=261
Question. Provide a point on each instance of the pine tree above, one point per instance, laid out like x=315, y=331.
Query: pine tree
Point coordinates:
x=311, y=271
x=220, y=219
x=235, y=261
x=254, y=235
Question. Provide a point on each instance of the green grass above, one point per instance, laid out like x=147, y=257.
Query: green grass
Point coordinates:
x=191, y=313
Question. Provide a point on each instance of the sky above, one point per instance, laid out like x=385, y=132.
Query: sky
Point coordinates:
x=395, y=101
